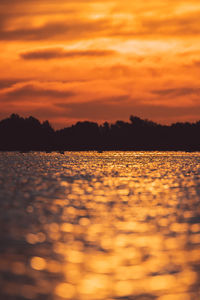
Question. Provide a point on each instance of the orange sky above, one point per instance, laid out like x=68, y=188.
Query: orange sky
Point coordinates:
x=100, y=60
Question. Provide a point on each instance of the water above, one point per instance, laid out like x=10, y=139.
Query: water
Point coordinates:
x=116, y=225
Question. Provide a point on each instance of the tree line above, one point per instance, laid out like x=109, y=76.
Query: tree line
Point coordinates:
x=26, y=134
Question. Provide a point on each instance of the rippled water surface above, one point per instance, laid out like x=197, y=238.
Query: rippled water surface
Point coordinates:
x=116, y=225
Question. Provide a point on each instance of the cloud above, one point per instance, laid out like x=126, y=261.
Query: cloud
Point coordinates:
x=196, y=63
x=181, y=25
x=52, y=53
x=28, y=91
x=6, y=83
x=126, y=21
x=104, y=110
x=56, y=30
x=176, y=92
x=160, y=24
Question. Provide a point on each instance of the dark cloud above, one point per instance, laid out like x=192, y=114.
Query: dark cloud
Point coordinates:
x=105, y=110
x=31, y=91
x=196, y=63
x=59, y=30
x=6, y=83
x=47, y=54
x=10, y=82
x=177, y=91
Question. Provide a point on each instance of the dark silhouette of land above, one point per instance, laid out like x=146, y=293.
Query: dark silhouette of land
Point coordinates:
x=26, y=134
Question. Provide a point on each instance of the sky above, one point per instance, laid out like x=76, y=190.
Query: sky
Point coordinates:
x=69, y=61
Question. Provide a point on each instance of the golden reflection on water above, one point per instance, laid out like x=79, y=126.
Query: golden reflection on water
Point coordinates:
x=117, y=225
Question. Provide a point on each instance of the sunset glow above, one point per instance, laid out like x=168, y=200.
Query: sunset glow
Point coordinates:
x=75, y=60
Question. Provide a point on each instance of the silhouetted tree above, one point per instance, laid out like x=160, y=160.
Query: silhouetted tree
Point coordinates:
x=17, y=133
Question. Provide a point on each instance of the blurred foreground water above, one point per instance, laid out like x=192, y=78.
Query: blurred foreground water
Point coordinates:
x=116, y=225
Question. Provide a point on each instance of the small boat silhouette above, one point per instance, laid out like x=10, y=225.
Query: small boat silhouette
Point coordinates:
x=100, y=151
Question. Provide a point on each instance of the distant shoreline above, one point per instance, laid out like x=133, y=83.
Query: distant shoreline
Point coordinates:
x=29, y=134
